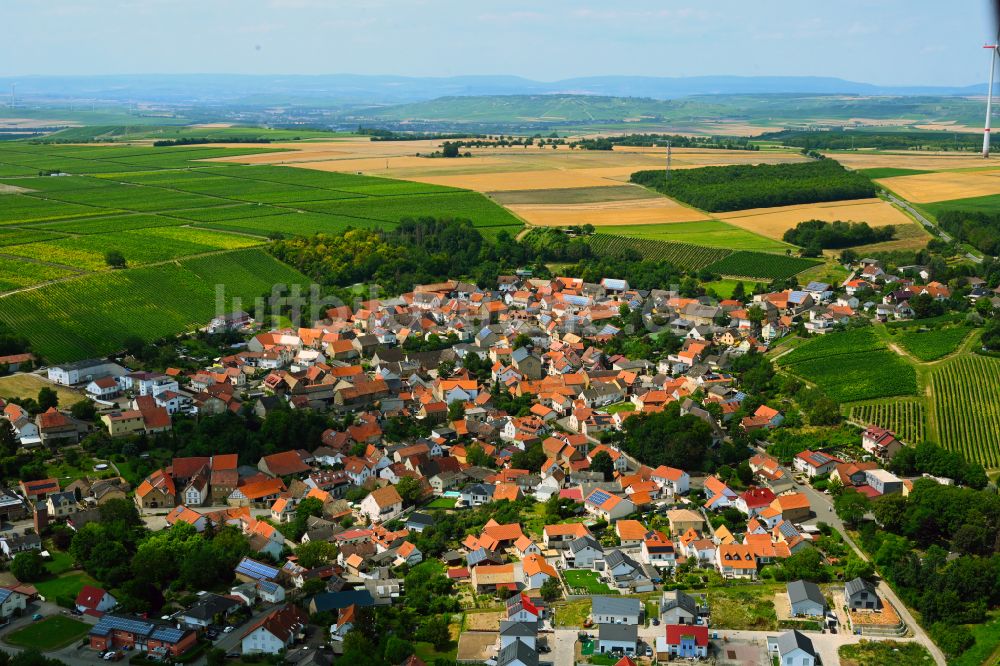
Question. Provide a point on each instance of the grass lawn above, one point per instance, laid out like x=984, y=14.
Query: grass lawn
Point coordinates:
x=710, y=233
x=442, y=503
x=987, y=647
x=68, y=585
x=884, y=653
x=27, y=386
x=724, y=288
x=60, y=563
x=747, y=607
x=620, y=407
x=588, y=580
x=572, y=613
x=52, y=633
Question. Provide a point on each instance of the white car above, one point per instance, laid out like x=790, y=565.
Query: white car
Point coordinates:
x=228, y=629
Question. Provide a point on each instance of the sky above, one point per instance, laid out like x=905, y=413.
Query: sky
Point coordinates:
x=886, y=42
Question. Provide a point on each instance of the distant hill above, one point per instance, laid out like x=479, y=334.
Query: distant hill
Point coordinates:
x=363, y=89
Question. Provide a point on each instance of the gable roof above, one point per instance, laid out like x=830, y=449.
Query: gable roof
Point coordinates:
x=803, y=590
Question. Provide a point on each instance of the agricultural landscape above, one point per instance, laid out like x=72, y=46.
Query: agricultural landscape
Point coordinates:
x=535, y=368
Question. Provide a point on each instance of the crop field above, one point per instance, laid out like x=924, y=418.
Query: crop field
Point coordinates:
x=852, y=366
x=139, y=247
x=759, y=265
x=774, y=222
x=20, y=208
x=711, y=233
x=298, y=224
x=17, y=235
x=966, y=403
x=16, y=274
x=475, y=207
x=573, y=195
x=220, y=213
x=933, y=344
x=608, y=213
x=136, y=198
x=911, y=160
x=987, y=204
x=682, y=255
x=945, y=186
x=907, y=418
x=103, y=225
x=91, y=315
x=890, y=172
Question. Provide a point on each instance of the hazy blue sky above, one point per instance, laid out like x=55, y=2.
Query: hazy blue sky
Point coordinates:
x=880, y=41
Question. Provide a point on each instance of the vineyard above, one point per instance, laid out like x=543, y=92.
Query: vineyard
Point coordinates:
x=906, y=418
x=966, y=403
x=852, y=366
x=743, y=263
x=759, y=265
x=682, y=255
x=933, y=344
x=92, y=315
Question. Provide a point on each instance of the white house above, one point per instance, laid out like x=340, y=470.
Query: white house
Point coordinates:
x=382, y=504
x=676, y=481
x=792, y=649
x=71, y=374
x=94, y=599
x=615, y=610
x=275, y=632
x=11, y=602
x=583, y=553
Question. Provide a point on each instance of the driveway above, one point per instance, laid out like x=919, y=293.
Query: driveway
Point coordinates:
x=563, y=644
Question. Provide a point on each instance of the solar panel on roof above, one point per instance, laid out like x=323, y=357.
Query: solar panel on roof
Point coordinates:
x=167, y=634
x=256, y=569
x=599, y=497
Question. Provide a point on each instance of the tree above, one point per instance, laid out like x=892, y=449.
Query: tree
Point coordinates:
x=47, y=398
x=84, y=410
x=551, y=589
x=435, y=631
x=28, y=566
x=8, y=439
x=602, y=463
x=410, y=490
x=851, y=507
x=456, y=410
x=115, y=259
x=315, y=553
x=477, y=456
x=858, y=568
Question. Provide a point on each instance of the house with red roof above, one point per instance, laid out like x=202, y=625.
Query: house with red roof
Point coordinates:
x=754, y=500
x=286, y=463
x=94, y=601
x=687, y=641
x=275, y=632
x=880, y=442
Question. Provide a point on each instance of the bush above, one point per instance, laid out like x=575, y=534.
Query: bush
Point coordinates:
x=953, y=639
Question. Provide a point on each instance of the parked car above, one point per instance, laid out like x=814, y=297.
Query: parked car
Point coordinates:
x=228, y=629
x=36, y=617
x=109, y=655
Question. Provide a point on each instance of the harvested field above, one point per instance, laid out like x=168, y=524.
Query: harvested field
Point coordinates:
x=573, y=195
x=28, y=385
x=923, y=160
x=773, y=222
x=476, y=646
x=487, y=621
x=931, y=187
x=531, y=180
x=642, y=211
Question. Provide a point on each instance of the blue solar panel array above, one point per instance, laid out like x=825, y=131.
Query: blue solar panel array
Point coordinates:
x=110, y=623
x=255, y=569
x=598, y=497
x=167, y=634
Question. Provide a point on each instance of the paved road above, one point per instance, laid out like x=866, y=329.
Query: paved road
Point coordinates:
x=945, y=236
x=821, y=504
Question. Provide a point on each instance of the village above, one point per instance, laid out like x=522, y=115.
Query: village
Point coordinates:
x=504, y=413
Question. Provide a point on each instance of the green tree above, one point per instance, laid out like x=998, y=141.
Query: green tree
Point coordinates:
x=316, y=553
x=551, y=589
x=115, y=259
x=8, y=439
x=602, y=463
x=456, y=410
x=28, y=566
x=851, y=507
x=410, y=490
x=47, y=398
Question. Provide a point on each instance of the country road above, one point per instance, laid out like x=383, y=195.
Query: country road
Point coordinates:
x=919, y=217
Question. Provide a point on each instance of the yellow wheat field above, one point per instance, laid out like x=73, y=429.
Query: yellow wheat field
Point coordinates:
x=930, y=187
x=773, y=222
x=602, y=214
x=921, y=160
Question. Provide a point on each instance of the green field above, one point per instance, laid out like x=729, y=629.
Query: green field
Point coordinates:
x=905, y=417
x=933, y=344
x=890, y=172
x=15, y=274
x=759, y=265
x=92, y=315
x=966, y=401
x=710, y=233
x=131, y=132
x=987, y=204
x=852, y=366
x=573, y=195
x=51, y=633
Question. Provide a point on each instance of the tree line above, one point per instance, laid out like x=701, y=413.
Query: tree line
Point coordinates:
x=977, y=228
x=839, y=139
x=195, y=140
x=814, y=236
x=727, y=188
x=675, y=140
